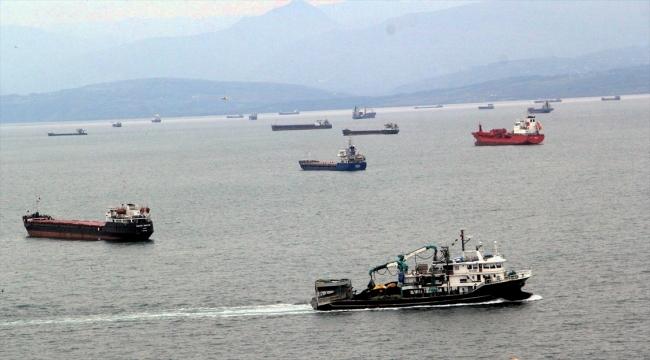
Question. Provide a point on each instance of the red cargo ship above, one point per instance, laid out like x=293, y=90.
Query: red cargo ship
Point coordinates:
x=526, y=132
x=125, y=223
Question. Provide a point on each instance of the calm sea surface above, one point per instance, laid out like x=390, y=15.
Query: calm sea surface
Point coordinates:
x=241, y=233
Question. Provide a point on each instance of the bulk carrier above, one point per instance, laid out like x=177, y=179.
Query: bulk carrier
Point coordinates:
x=128, y=222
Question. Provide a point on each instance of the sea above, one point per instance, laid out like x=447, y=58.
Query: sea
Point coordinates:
x=242, y=233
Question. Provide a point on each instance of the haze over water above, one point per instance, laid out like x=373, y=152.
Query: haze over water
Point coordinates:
x=241, y=234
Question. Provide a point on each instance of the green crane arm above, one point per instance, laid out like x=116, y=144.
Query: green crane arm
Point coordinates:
x=401, y=262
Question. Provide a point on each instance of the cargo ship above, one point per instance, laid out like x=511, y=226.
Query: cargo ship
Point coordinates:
x=295, y=112
x=526, y=132
x=473, y=277
x=129, y=222
x=389, y=129
x=238, y=116
x=117, y=124
x=350, y=160
x=429, y=107
x=365, y=114
x=486, y=107
x=77, y=132
x=156, y=119
x=545, y=109
x=540, y=101
x=318, y=125
x=612, y=98
x=252, y=116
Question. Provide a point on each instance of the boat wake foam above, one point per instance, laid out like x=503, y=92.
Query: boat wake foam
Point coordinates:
x=222, y=312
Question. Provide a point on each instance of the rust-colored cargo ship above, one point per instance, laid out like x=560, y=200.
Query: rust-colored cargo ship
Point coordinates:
x=124, y=223
x=526, y=132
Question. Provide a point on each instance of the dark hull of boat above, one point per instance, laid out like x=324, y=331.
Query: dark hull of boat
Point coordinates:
x=64, y=134
x=347, y=132
x=252, y=117
x=486, y=107
x=365, y=116
x=289, y=113
x=299, y=127
x=314, y=165
x=509, y=139
x=90, y=231
x=539, y=111
x=508, y=290
x=610, y=99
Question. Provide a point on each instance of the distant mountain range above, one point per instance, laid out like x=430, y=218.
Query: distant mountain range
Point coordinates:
x=300, y=44
x=184, y=97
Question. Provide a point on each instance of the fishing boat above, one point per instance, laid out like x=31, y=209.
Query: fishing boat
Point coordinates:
x=77, y=132
x=295, y=112
x=128, y=222
x=545, y=109
x=156, y=119
x=389, y=129
x=526, y=132
x=117, y=124
x=365, y=114
x=437, y=279
x=238, y=116
x=486, y=107
x=252, y=116
x=318, y=125
x=350, y=160
x=611, y=98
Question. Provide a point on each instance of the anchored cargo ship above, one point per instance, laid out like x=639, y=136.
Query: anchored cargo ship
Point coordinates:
x=365, y=114
x=611, y=98
x=388, y=130
x=350, y=160
x=318, y=125
x=487, y=107
x=429, y=107
x=77, y=132
x=295, y=112
x=252, y=116
x=156, y=119
x=549, y=100
x=526, y=132
x=238, y=116
x=125, y=223
x=545, y=109
x=117, y=124
x=474, y=277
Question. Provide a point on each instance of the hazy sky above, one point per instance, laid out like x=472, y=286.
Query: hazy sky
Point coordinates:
x=41, y=13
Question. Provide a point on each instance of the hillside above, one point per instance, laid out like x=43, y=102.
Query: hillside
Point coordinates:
x=183, y=97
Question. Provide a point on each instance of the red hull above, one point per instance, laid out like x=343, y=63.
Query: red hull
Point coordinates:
x=500, y=137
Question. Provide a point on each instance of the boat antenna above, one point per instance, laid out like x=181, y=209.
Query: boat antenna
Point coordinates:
x=462, y=238
x=38, y=199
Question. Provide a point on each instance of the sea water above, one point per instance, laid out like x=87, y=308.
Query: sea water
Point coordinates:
x=242, y=233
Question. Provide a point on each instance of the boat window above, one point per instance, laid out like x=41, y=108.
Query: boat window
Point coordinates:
x=498, y=265
x=463, y=280
x=456, y=267
x=492, y=266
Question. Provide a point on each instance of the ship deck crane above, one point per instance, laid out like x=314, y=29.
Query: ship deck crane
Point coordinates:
x=400, y=263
